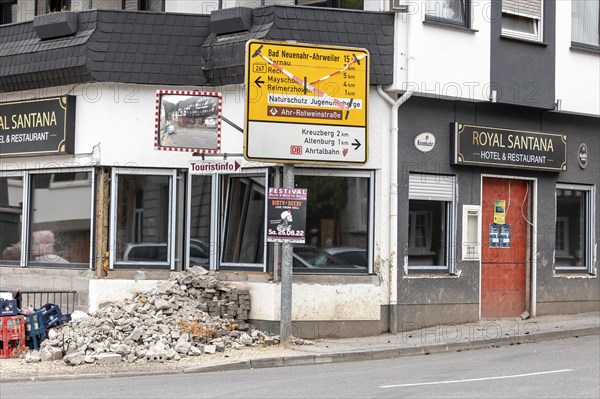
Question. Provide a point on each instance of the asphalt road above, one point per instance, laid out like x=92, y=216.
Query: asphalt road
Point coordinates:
x=200, y=137
x=561, y=369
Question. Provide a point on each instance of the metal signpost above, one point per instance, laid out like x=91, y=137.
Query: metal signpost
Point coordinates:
x=304, y=104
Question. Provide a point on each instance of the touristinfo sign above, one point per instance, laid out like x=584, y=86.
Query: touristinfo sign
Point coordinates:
x=506, y=148
x=38, y=127
x=286, y=215
x=306, y=103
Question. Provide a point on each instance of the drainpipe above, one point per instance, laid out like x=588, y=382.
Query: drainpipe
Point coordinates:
x=393, y=175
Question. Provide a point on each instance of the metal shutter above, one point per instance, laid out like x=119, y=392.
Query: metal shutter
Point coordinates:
x=430, y=187
x=527, y=8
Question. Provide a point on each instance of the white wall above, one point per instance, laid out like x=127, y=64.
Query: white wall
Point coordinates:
x=116, y=290
x=317, y=302
x=443, y=62
x=577, y=73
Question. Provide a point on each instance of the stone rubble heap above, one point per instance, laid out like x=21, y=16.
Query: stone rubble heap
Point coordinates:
x=190, y=314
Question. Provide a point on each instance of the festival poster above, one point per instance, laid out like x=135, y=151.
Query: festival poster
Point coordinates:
x=286, y=215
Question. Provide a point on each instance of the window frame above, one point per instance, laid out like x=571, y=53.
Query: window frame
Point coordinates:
x=171, y=249
x=589, y=219
x=222, y=203
x=449, y=229
x=26, y=217
x=538, y=25
x=348, y=173
x=466, y=14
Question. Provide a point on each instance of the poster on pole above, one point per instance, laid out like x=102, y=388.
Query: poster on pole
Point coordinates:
x=286, y=215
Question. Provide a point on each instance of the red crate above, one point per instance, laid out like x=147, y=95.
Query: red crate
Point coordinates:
x=12, y=336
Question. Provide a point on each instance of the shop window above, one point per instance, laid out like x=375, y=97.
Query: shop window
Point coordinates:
x=338, y=222
x=584, y=24
x=60, y=221
x=243, y=241
x=53, y=223
x=11, y=219
x=454, y=12
x=522, y=19
x=574, y=234
x=347, y=4
x=143, y=221
x=431, y=218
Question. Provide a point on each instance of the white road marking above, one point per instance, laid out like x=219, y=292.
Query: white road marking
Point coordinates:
x=477, y=379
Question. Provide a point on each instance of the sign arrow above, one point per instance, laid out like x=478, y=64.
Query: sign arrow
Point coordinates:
x=236, y=165
x=356, y=144
x=259, y=82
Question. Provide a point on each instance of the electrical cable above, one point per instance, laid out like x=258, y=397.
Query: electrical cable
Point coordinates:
x=523, y=203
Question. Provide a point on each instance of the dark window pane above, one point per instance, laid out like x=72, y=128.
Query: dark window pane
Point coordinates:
x=570, y=227
x=200, y=212
x=427, y=233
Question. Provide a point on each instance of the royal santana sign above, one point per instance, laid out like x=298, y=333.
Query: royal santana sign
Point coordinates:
x=505, y=148
x=38, y=127
x=306, y=103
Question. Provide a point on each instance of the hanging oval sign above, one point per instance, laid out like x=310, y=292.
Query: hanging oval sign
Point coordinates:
x=582, y=155
x=425, y=142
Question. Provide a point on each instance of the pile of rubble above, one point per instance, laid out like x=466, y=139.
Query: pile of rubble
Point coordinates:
x=190, y=314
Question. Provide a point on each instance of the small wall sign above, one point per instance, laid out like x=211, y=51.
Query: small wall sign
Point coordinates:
x=582, y=155
x=425, y=142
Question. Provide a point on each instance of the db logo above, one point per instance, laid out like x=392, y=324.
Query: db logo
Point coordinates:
x=296, y=149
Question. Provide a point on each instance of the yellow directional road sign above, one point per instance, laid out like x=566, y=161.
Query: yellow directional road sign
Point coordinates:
x=306, y=103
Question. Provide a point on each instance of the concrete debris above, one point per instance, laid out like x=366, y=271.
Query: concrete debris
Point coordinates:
x=191, y=314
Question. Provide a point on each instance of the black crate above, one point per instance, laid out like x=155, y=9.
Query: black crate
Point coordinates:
x=51, y=314
x=8, y=307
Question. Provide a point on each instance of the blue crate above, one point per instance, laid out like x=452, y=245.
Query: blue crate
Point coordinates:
x=34, y=323
x=33, y=341
x=51, y=315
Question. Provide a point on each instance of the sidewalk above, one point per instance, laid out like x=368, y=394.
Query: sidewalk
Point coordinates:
x=436, y=339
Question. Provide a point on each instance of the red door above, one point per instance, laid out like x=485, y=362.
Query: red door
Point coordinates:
x=505, y=205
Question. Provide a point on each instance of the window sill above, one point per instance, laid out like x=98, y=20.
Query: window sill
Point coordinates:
x=368, y=279
x=583, y=48
x=524, y=40
x=573, y=274
x=430, y=275
x=448, y=25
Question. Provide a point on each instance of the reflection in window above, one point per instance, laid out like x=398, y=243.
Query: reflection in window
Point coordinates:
x=142, y=230
x=60, y=220
x=245, y=220
x=450, y=11
x=573, y=236
x=11, y=216
x=200, y=218
x=337, y=224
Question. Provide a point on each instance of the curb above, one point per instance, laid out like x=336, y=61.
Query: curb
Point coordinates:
x=352, y=356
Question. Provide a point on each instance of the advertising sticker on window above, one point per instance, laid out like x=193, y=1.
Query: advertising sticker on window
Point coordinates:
x=286, y=215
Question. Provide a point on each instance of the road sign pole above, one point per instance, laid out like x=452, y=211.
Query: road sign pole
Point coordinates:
x=285, y=323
